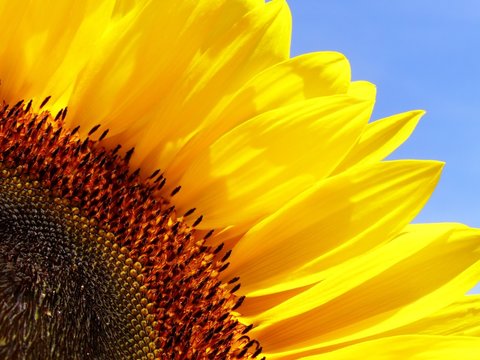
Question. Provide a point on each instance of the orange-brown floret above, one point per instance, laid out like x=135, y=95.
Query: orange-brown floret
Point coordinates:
x=113, y=242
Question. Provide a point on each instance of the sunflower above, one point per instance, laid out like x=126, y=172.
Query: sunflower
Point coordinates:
x=174, y=186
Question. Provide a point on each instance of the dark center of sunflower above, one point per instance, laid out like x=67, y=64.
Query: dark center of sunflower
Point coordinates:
x=95, y=263
x=63, y=284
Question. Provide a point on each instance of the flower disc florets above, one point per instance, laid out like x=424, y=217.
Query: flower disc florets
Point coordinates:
x=95, y=263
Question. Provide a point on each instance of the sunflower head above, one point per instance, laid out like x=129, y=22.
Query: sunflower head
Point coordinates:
x=206, y=196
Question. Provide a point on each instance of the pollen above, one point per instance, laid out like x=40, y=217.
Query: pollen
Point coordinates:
x=95, y=262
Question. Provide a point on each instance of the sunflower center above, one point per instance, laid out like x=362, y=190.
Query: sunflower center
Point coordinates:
x=59, y=272
x=95, y=262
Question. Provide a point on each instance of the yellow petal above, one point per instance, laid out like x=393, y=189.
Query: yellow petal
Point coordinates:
x=213, y=49
x=303, y=77
x=258, y=166
x=363, y=89
x=381, y=138
x=413, y=347
x=246, y=49
x=333, y=222
x=198, y=53
x=43, y=57
x=379, y=292
x=459, y=318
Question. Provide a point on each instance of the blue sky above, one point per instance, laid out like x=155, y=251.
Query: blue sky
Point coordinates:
x=421, y=55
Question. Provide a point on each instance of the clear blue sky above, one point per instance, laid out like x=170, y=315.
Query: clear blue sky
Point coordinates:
x=421, y=55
